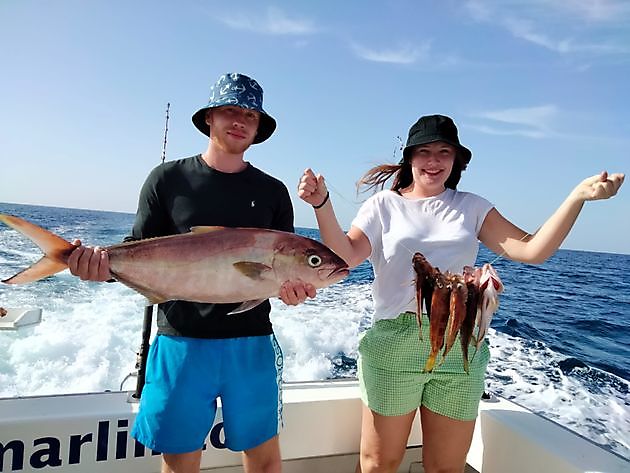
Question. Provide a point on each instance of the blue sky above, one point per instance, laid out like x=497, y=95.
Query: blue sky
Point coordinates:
x=538, y=88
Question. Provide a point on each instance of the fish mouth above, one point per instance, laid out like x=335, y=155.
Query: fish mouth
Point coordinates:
x=335, y=273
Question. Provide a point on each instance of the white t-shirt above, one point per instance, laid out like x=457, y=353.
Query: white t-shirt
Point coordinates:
x=444, y=228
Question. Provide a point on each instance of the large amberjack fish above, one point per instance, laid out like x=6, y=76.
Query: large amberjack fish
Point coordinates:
x=209, y=264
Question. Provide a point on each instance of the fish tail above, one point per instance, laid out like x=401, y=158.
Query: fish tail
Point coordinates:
x=474, y=353
x=56, y=251
x=466, y=366
x=447, y=348
x=480, y=337
x=419, y=306
x=464, y=344
x=430, y=364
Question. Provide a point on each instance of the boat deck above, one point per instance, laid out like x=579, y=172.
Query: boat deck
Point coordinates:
x=340, y=464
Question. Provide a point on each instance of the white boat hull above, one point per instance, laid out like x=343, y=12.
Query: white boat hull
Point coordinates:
x=90, y=433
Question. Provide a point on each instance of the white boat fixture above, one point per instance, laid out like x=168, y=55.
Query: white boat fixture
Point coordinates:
x=14, y=318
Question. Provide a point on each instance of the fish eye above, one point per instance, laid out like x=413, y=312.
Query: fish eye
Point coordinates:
x=313, y=261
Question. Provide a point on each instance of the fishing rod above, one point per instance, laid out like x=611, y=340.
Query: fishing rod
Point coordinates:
x=143, y=351
x=168, y=106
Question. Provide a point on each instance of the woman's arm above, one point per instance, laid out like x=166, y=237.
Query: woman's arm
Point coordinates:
x=354, y=247
x=504, y=238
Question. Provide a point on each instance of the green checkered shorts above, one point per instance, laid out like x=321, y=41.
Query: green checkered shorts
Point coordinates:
x=390, y=370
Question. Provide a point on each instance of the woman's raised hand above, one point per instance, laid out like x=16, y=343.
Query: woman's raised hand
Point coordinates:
x=598, y=187
x=312, y=188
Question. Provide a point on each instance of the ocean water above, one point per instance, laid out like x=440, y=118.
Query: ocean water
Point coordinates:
x=559, y=342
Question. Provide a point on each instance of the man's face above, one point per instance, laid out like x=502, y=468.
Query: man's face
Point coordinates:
x=233, y=128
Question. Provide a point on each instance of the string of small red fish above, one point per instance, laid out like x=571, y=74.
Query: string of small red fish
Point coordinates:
x=455, y=305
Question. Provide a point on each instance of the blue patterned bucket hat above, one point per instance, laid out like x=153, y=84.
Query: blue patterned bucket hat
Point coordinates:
x=241, y=91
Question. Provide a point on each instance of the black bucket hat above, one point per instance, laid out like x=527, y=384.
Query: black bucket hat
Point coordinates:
x=431, y=128
x=241, y=91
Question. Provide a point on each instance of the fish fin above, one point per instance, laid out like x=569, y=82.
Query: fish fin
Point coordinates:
x=419, y=319
x=480, y=338
x=419, y=309
x=152, y=297
x=430, y=364
x=205, y=229
x=446, y=351
x=427, y=296
x=427, y=306
x=43, y=268
x=251, y=269
x=475, y=353
x=247, y=305
x=56, y=250
x=498, y=286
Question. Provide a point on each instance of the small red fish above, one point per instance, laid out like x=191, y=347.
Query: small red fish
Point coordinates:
x=425, y=274
x=457, y=311
x=471, y=278
x=490, y=286
x=440, y=308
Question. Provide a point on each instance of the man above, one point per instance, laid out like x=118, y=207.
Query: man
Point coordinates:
x=201, y=353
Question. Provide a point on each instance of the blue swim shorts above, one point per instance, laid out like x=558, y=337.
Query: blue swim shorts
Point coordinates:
x=184, y=378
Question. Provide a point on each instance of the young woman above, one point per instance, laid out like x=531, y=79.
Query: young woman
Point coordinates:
x=423, y=211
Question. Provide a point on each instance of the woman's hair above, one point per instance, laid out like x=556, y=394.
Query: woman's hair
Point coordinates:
x=376, y=177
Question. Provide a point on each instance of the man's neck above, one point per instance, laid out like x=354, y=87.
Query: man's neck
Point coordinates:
x=223, y=161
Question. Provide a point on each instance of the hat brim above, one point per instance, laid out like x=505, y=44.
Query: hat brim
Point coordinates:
x=465, y=152
x=266, y=126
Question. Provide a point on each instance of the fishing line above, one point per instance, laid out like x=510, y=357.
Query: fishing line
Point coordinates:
x=504, y=252
x=168, y=106
x=397, y=147
x=338, y=193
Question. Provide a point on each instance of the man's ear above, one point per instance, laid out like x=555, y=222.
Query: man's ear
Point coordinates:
x=208, y=116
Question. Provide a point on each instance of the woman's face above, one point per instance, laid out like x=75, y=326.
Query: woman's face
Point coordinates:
x=432, y=164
